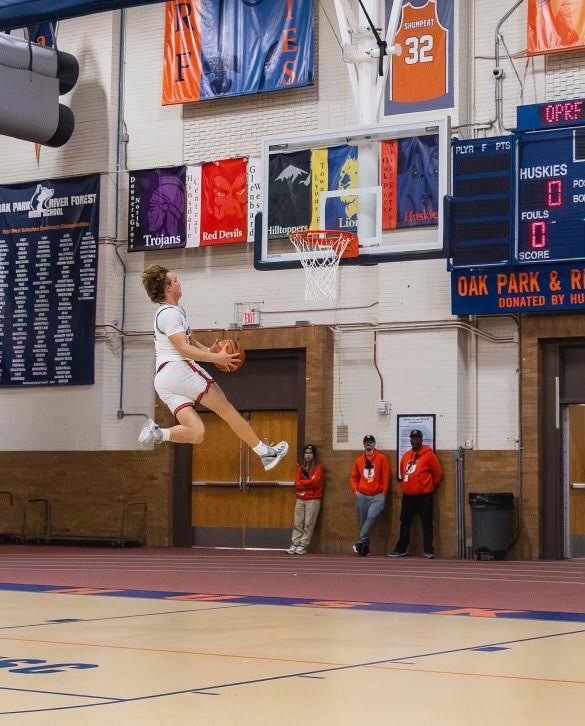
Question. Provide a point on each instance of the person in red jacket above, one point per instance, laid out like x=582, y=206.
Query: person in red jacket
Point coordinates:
x=370, y=481
x=309, y=479
x=421, y=474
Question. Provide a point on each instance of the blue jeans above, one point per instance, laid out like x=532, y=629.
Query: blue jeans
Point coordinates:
x=368, y=510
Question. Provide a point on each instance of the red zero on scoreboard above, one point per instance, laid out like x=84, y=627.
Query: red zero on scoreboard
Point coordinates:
x=420, y=73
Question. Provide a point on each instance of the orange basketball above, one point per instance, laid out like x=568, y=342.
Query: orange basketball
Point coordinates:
x=232, y=346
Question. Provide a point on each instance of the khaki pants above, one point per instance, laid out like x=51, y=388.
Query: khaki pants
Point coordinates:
x=306, y=513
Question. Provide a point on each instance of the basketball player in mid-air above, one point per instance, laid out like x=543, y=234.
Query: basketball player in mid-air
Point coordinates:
x=182, y=384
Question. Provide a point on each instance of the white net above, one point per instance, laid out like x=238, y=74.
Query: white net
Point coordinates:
x=320, y=252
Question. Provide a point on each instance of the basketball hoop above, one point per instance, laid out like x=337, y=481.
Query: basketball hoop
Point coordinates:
x=320, y=252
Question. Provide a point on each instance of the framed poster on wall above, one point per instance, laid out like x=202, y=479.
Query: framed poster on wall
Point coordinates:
x=405, y=423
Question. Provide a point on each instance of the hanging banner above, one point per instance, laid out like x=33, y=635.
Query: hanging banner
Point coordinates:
x=42, y=34
x=224, y=202
x=289, y=193
x=418, y=181
x=48, y=272
x=335, y=169
x=422, y=77
x=193, y=193
x=254, y=193
x=217, y=49
x=157, y=209
x=555, y=26
x=389, y=179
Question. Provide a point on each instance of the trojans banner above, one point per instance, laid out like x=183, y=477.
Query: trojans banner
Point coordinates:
x=157, y=209
x=216, y=49
x=555, y=26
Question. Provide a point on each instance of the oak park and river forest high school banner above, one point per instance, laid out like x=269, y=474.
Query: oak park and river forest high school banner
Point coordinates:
x=221, y=48
x=48, y=269
x=422, y=77
x=555, y=26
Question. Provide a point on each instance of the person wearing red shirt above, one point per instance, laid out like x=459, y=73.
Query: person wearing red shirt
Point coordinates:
x=309, y=489
x=421, y=474
x=370, y=481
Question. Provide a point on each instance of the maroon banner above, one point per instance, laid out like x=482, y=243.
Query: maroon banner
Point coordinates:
x=224, y=202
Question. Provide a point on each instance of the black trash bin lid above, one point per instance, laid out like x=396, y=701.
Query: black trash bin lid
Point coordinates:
x=491, y=500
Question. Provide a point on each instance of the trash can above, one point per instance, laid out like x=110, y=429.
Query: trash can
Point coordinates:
x=492, y=518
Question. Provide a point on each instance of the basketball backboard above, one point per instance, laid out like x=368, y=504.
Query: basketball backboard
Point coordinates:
x=384, y=183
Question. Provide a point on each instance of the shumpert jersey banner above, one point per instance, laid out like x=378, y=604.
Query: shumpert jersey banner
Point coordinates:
x=422, y=77
x=220, y=48
x=555, y=26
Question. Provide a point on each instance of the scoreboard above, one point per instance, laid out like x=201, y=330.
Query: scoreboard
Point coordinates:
x=520, y=199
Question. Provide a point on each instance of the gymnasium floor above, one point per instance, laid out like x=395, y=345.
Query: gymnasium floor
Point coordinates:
x=220, y=637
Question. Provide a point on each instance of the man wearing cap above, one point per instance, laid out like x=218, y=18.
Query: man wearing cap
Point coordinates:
x=370, y=481
x=421, y=474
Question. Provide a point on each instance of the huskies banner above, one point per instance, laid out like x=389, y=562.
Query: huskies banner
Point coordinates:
x=422, y=77
x=410, y=182
x=156, y=217
x=555, y=26
x=48, y=268
x=219, y=48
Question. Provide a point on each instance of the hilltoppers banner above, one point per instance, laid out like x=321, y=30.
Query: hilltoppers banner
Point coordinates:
x=195, y=206
x=215, y=49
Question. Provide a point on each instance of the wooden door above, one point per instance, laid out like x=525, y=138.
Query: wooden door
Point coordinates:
x=576, y=479
x=235, y=502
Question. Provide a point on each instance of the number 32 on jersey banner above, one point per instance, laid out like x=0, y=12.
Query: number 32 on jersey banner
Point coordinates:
x=421, y=78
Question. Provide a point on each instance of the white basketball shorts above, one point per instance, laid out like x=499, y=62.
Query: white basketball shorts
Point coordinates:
x=181, y=383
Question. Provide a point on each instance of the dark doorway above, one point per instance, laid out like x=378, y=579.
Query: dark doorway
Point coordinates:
x=562, y=449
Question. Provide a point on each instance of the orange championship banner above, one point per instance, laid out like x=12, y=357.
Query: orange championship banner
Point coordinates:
x=182, y=57
x=555, y=26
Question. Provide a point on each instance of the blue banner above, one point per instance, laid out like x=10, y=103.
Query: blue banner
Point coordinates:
x=510, y=290
x=418, y=181
x=222, y=48
x=48, y=273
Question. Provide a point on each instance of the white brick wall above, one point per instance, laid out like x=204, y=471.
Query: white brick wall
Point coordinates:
x=431, y=371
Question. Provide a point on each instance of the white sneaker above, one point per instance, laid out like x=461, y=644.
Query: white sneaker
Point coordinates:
x=274, y=455
x=150, y=434
x=301, y=550
x=292, y=550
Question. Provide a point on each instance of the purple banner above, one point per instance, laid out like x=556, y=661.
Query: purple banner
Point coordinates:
x=157, y=209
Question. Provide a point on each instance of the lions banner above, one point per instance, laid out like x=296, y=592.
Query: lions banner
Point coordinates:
x=555, y=26
x=216, y=49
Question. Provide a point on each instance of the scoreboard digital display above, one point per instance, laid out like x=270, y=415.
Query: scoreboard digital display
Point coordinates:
x=551, y=196
x=520, y=199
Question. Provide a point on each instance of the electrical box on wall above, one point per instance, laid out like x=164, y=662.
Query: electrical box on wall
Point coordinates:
x=383, y=408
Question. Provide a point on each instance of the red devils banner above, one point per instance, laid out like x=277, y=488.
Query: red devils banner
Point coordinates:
x=224, y=202
x=555, y=26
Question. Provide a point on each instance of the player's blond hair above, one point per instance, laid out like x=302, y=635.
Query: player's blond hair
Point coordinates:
x=154, y=279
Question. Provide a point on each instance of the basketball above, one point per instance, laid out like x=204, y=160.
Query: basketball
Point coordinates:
x=232, y=346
